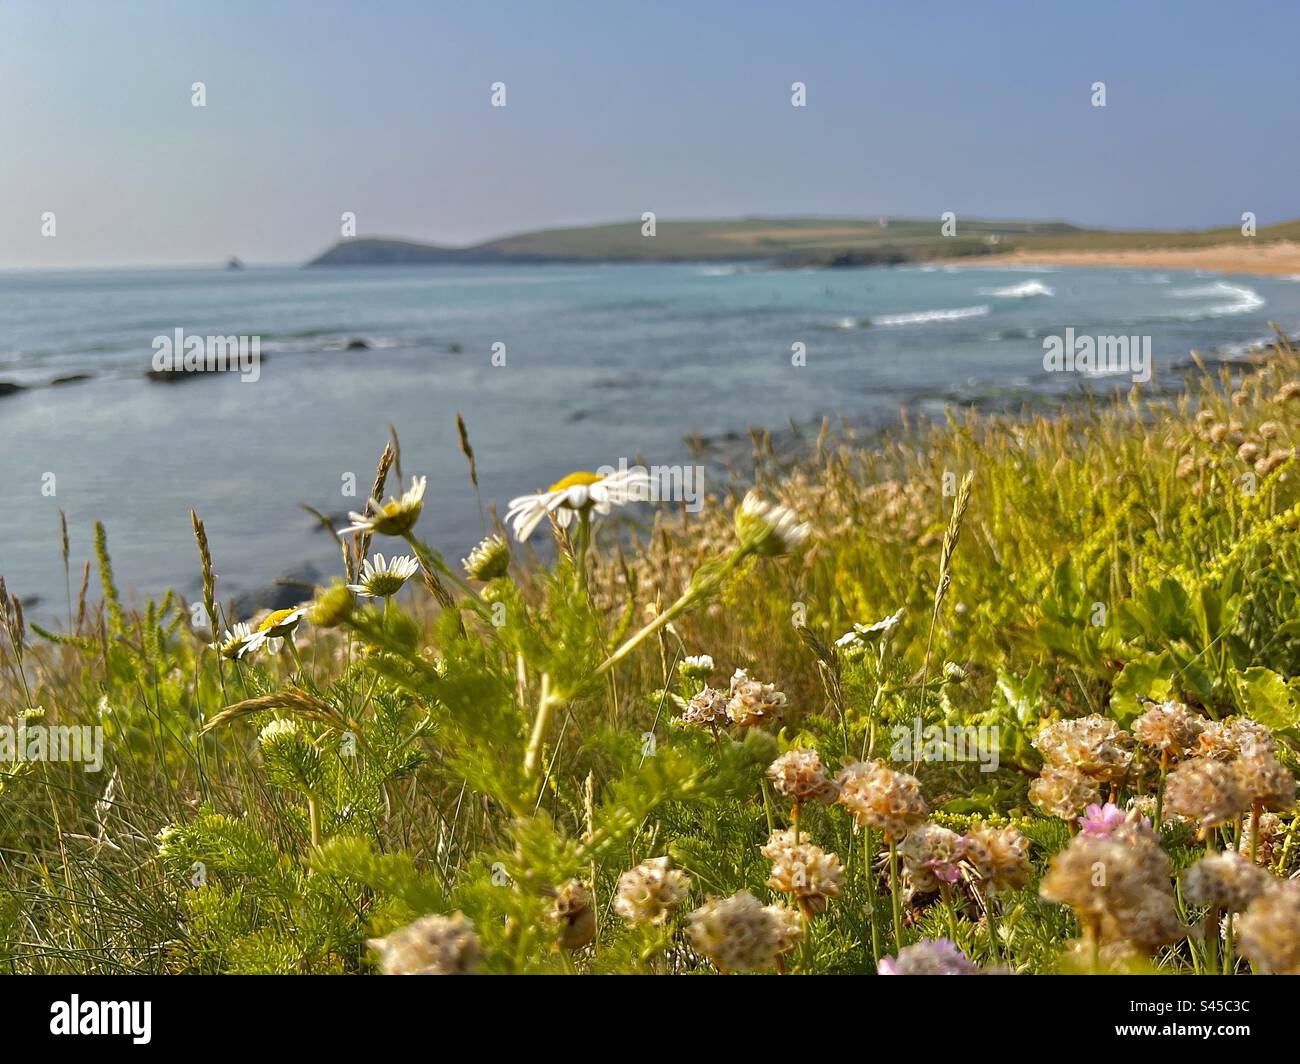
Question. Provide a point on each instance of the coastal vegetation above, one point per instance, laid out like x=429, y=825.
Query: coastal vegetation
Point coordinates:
x=678, y=742
x=792, y=242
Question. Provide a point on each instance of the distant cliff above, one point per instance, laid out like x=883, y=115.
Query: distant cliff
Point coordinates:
x=375, y=251
x=786, y=241
x=791, y=242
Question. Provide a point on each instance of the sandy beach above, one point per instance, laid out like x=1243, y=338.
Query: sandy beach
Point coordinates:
x=1280, y=258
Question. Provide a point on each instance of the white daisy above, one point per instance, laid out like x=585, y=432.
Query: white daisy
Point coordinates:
x=231, y=644
x=575, y=493
x=393, y=518
x=382, y=579
x=488, y=560
x=862, y=633
x=696, y=666
x=277, y=625
x=280, y=728
x=769, y=527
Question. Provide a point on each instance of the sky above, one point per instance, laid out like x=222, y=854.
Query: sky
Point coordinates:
x=384, y=109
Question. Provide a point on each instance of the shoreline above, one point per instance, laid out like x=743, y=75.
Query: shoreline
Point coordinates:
x=1277, y=259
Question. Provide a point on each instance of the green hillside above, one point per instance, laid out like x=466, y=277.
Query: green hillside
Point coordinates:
x=785, y=241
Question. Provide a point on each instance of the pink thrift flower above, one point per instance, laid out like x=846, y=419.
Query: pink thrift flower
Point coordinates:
x=927, y=957
x=1101, y=820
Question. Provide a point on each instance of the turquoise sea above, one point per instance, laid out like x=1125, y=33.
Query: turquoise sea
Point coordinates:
x=602, y=363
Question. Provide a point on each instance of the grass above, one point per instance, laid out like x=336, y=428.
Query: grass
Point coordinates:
x=477, y=746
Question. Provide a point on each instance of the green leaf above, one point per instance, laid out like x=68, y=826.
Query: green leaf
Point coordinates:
x=1144, y=677
x=1266, y=697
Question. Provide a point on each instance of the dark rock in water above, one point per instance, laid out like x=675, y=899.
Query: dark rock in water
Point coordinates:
x=172, y=376
x=338, y=519
x=233, y=263
x=579, y=415
x=175, y=376
x=9, y=387
x=357, y=345
x=71, y=378
x=292, y=590
x=455, y=349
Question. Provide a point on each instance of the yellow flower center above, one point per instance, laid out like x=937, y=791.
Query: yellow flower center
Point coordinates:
x=274, y=620
x=575, y=480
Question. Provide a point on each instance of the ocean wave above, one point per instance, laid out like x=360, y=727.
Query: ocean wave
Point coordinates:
x=1020, y=267
x=1243, y=300
x=924, y=317
x=1244, y=348
x=1025, y=290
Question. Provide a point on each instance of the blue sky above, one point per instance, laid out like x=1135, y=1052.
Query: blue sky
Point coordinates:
x=383, y=108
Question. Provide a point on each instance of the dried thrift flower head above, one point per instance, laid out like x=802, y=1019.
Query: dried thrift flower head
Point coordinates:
x=708, y=707
x=1225, y=881
x=927, y=957
x=648, y=893
x=1234, y=738
x=800, y=775
x=1170, y=729
x=1062, y=792
x=1269, y=784
x=788, y=926
x=487, y=561
x=769, y=528
x=573, y=911
x=393, y=518
x=432, y=945
x=808, y=872
x=1275, y=458
x=738, y=934
x=1272, y=832
x=384, y=579
x=881, y=799
x=1268, y=932
x=998, y=856
x=1095, y=746
x=1206, y=791
x=751, y=701
x=1118, y=886
x=932, y=854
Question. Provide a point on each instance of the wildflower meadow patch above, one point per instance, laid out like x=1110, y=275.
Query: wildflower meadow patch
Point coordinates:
x=847, y=721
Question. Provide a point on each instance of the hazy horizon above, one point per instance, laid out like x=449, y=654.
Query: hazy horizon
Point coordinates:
x=317, y=109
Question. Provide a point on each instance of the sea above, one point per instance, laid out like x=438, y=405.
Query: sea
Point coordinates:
x=554, y=368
